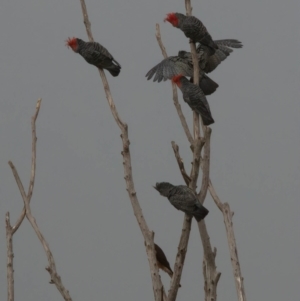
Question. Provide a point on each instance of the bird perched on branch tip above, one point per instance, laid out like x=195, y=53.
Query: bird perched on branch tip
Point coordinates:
x=95, y=54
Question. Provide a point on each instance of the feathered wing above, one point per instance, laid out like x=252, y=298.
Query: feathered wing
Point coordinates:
x=168, y=68
x=100, y=57
x=223, y=51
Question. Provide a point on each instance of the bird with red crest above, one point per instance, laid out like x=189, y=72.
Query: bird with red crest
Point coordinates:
x=193, y=28
x=95, y=54
x=194, y=97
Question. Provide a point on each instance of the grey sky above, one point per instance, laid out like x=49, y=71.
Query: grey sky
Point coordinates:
x=80, y=200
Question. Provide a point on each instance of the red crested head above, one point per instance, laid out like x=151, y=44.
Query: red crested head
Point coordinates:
x=73, y=43
x=177, y=79
x=172, y=18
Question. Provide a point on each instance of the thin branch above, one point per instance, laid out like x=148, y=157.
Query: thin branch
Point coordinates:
x=237, y=273
x=148, y=235
x=180, y=257
x=185, y=176
x=55, y=278
x=10, y=258
x=174, y=89
x=227, y=214
x=196, y=162
x=211, y=276
x=206, y=166
x=33, y=165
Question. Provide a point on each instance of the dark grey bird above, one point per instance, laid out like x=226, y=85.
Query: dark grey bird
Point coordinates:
x=194, y=97
x=211, y=61
x=95, y=54
x=181, y=64
x=193, y=28
x=182, y=198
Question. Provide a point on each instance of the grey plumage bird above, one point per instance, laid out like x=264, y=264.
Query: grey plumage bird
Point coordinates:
x=193, y=28
x=181, y=64
x=194, y=97
x=182, y=198
x=95, y=54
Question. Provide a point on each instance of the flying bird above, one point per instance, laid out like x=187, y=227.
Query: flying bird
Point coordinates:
x=95, y=54
x=182, y=198
x=181, y=64
x=194, y=97
x=193, y=28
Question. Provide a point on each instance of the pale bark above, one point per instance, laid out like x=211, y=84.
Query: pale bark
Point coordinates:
x=10, y=259
x=55, y=278
x=147, y=234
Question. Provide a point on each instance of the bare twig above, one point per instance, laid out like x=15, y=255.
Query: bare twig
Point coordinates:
x=211, y=276
x=206, y=165
x=10, y=257
x=148, y=235
x=174, y=89
x=180, y=257
x=228, y=214
x=55, y=278
x=196, y=162
x=33, y=164
x=185, y=176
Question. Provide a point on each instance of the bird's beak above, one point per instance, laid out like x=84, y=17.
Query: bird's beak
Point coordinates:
x=155, y=187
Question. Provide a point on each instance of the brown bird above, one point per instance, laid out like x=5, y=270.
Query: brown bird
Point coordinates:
x=162, y=261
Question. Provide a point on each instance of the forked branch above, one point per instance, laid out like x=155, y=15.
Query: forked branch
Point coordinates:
x=55, y=278
x=148, y=235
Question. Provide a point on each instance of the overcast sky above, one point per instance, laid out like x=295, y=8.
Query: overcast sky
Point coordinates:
x=80, y=201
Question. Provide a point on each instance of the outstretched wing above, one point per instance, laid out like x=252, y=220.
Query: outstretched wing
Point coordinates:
x=168, y=68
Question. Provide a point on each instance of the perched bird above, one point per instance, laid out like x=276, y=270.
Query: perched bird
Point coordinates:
x=193, y=28
x=162, y=261
x=194, y=97
x=182, y=198
x=181, y=64
x=95, y=54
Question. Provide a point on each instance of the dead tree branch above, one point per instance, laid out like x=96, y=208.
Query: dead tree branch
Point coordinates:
x=206, y=165
x=55, y=278
x=180, y=257
x=148, y=235
x=228, y=214
x=185, y=176
x=10, y=258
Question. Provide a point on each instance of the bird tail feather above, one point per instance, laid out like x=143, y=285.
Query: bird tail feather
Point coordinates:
x=201, y=213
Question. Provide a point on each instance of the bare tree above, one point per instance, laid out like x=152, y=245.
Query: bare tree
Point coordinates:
x=199, y=144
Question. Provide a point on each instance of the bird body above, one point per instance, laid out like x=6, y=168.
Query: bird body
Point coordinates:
x=182, y=198
x=95, y=54
x=194, y=97
x=162, y=261
x=193, y=28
